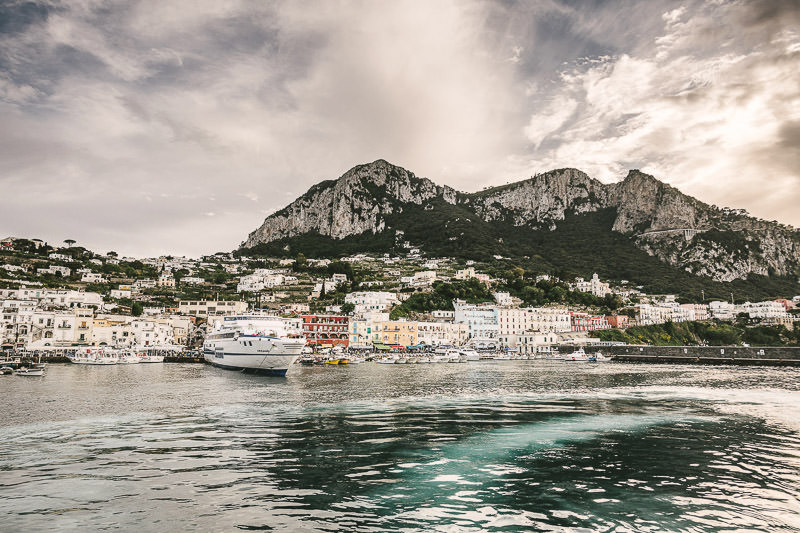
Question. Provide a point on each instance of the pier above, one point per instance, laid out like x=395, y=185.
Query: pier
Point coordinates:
x=703, y=355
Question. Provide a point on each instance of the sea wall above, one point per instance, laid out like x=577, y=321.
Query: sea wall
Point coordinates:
x=714, y=355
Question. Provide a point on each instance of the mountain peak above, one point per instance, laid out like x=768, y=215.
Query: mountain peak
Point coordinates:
x=635, y=174
x=371, y=202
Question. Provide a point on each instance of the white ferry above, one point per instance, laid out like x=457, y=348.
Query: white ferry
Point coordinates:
x=255, y=343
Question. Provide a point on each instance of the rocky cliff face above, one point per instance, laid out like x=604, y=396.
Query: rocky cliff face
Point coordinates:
x=659, y=219
x=540, y=201
x=356, y=203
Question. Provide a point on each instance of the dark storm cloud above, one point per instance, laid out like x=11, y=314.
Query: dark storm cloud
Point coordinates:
x=774, y=13
x=153, y=126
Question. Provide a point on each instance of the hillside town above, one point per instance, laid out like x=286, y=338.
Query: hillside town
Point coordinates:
x=62, y=298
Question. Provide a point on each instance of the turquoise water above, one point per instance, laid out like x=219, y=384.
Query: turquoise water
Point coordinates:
x=494, y=446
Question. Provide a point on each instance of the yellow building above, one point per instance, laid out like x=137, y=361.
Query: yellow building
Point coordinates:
x=399, y=332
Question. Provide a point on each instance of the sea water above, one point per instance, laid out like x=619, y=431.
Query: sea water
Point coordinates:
x=484, y=446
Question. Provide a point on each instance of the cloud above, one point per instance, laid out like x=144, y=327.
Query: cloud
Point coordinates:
x=126, y=123
x=718, y=126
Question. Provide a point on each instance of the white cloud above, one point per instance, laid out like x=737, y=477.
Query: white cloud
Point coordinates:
x=711, y=125
x=149, y=115
x=550, y=120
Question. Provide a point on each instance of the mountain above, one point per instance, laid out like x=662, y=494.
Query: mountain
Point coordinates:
x=562, y=219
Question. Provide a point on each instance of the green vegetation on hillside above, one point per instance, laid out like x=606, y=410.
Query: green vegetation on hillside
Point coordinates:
x=442, y=296
x=699, y=333
x=579, y=246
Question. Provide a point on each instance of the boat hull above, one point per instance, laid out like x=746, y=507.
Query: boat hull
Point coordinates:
x=251, y=370
x=37, y=372
x=265, y=356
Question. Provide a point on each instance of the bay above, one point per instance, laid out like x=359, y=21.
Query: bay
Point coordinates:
x=489, y=446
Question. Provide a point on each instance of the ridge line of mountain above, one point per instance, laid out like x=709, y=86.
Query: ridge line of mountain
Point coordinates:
x=379, y=201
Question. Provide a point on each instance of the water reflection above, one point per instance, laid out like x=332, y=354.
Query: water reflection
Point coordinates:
x=489, y=448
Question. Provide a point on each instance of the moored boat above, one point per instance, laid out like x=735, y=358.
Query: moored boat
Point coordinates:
x=254, y=343
x=94, y=357
x=578, y=356
x=37, y=371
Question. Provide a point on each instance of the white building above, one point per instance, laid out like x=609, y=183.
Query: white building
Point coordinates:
x=722, y=310
x=207, y=308
x=512, y=321
x=469, y=273
x=120, y=294
x=441, y=315
x=594, y=285
x=700, y=311
x=533, y=342
x=54, y=298
x=368, y=301
x=648, y=314
x=549, y=319
x=503, y=299
x=55, y=270
x=148, y=332
x=144, y=284
x=480, y=319
x=92, y=277
x=768, y=309
x=259, y=280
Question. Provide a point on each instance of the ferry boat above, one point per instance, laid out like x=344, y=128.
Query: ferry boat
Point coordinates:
x=254, y=343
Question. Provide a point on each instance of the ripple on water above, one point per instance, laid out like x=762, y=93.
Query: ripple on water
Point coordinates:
x=619, y=448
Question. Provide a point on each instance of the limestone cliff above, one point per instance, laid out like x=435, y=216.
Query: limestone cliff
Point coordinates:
x=677, y=229
x=356, y=203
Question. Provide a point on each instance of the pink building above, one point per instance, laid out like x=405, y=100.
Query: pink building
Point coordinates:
x=587, y=322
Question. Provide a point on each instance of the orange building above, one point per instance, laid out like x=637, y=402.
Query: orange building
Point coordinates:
x=618, y=321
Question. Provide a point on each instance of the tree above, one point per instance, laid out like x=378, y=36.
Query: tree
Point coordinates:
x=69, y=242
x=112, y=254
x=300, y=261
x=137, y=309
x=348, y=308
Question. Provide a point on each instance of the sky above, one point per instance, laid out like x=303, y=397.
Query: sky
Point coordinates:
x=150, y=127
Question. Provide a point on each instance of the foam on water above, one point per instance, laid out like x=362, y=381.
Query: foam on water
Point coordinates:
x=501, y=447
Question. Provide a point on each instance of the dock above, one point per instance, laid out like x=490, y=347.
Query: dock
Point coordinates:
x=701, y=355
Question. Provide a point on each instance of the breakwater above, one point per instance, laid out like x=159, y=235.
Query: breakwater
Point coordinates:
x=712, y=355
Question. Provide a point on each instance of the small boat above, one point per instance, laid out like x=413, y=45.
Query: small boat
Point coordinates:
x=471, y=355
x=6, y=371
x=38, y=371
x=93, y=358
x=455, y=356
x=129, y=358
x=578, y=356
x=391, y=360
x=599, y=358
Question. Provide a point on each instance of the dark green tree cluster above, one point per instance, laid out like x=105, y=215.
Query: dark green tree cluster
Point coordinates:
x=544, y=292
x=703, y=333
x=442, y=296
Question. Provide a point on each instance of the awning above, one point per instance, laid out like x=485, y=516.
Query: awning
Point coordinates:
x=379, y=346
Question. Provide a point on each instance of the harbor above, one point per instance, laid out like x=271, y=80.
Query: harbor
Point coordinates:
x=513, y=445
